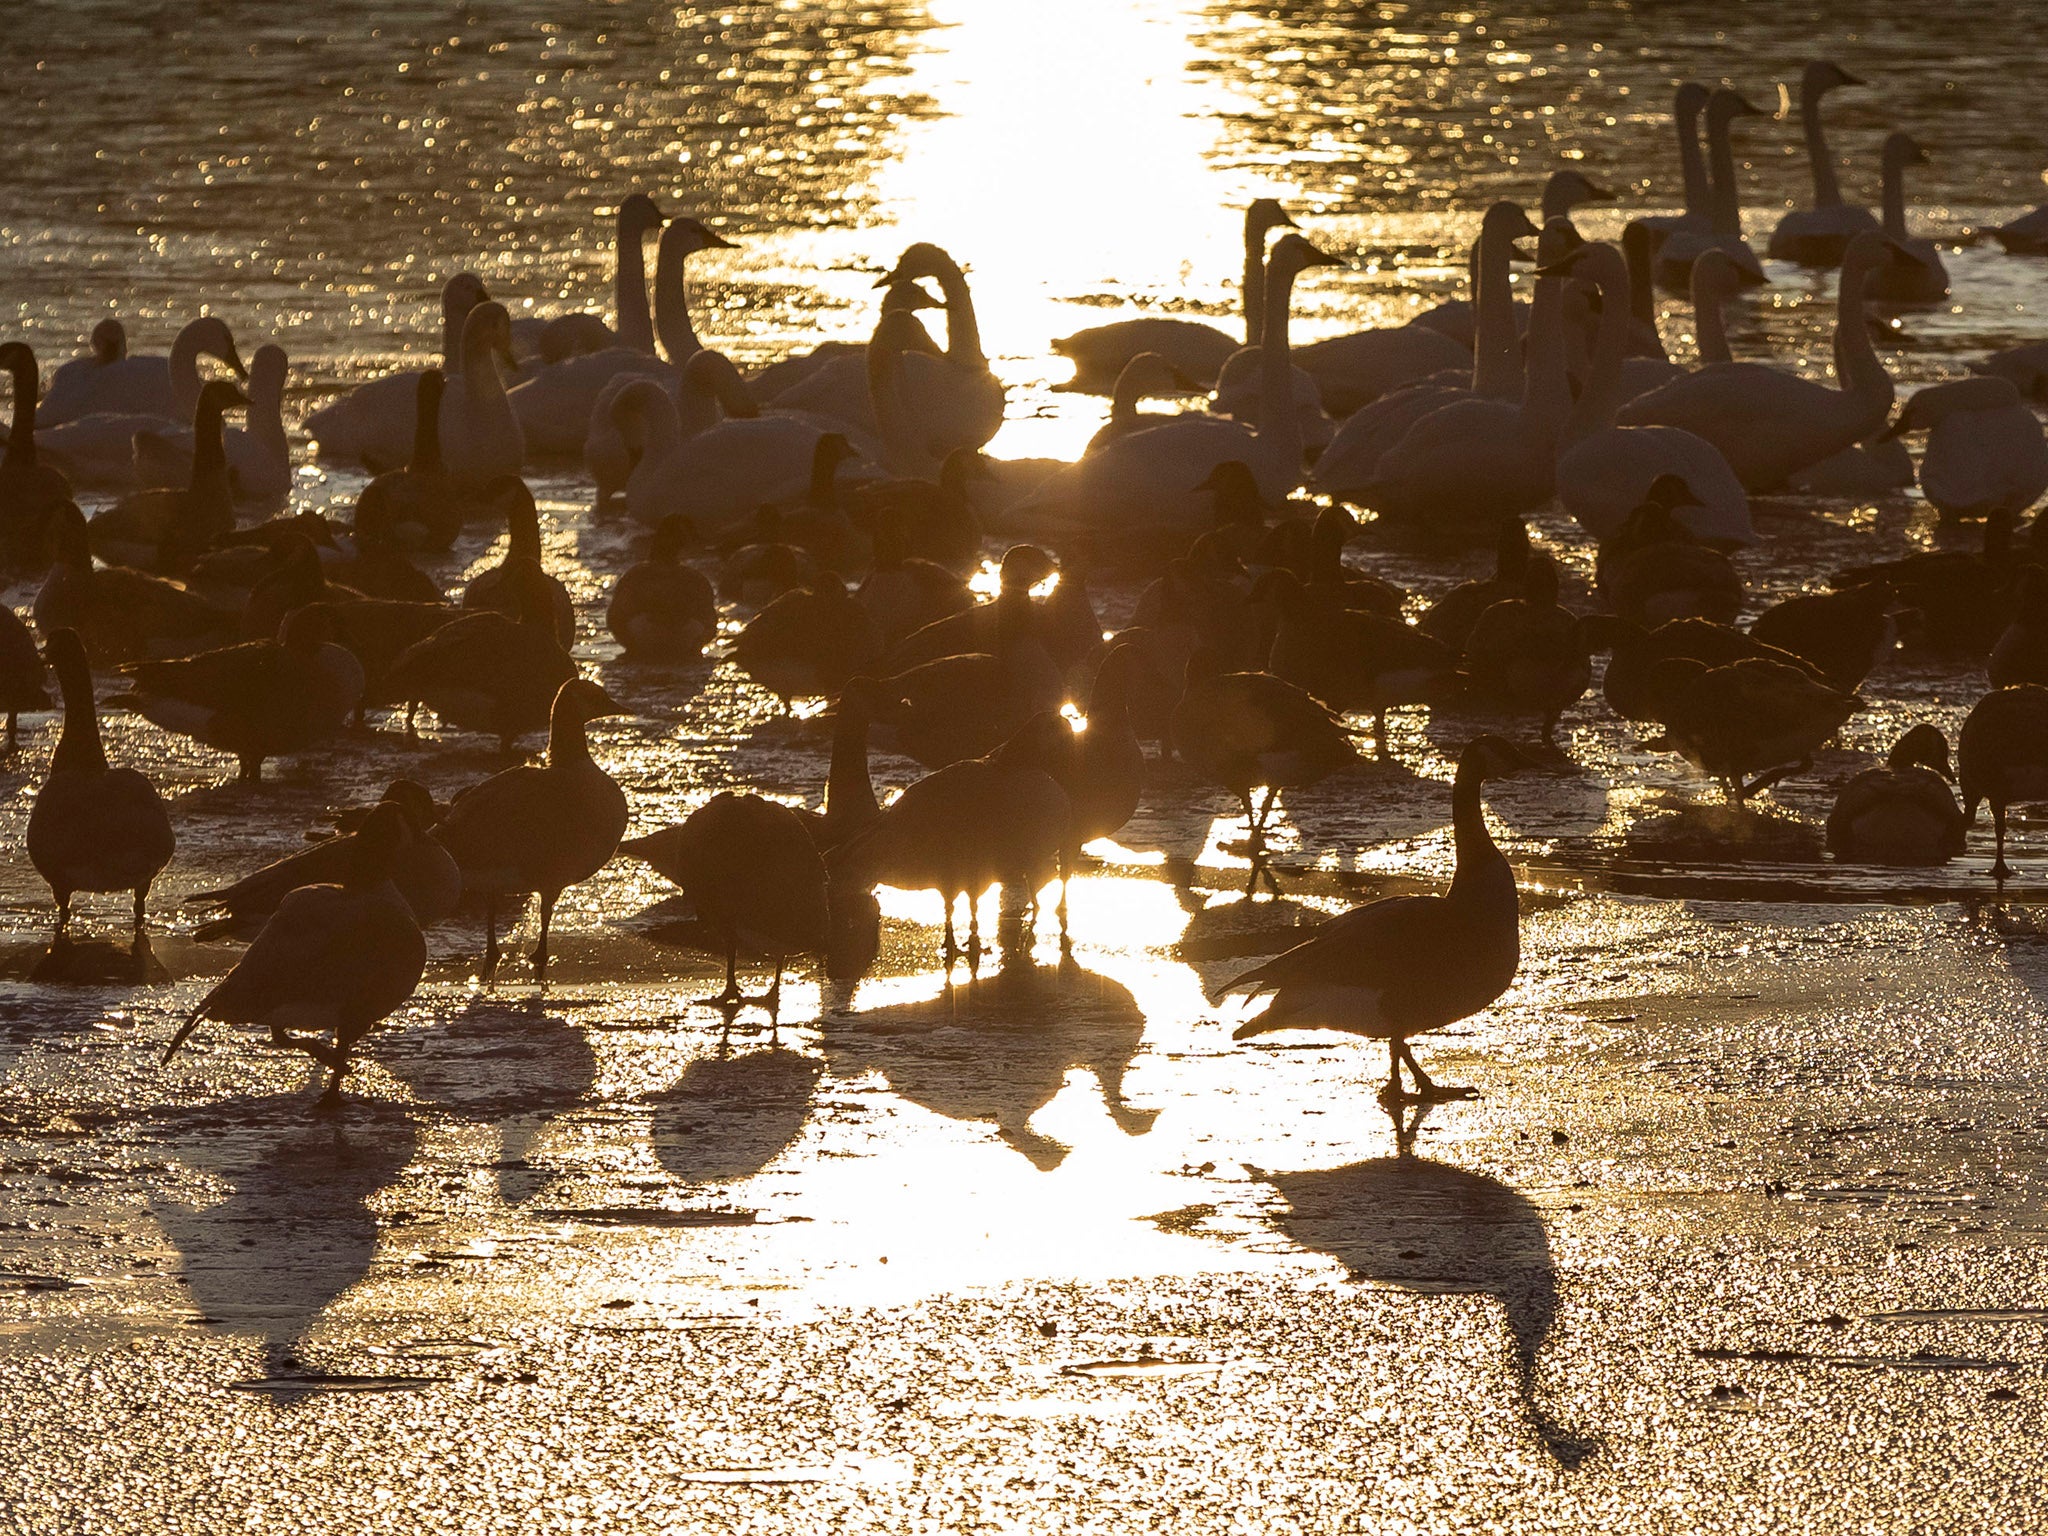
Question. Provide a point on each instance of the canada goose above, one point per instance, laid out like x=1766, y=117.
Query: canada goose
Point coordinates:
x=749, y=867
x=1408, y=965
x=421, y=869
x=1902, y=813
x=1022, y=567
x=1653, y=568
x=1915, y=275
x=2002, y=756
x=939, y=520
x=1355, y=663
x=660, y=608
x=93, y=827
x=258, y=699
x=379, y=568
x=1986, y=453
x=901, y=593
x=1843, y=634
x=21, y=672
x=539, y=829
x=489, y=671
x=1749, y=715
x=1451, y=617
x=1963, y=597
x=1328, y=577
x=332, y=957
x=493, y=588
x=417, y=506
x=378, y=631
x=808, y=642
x=1817, y=236
x=2021, y=654
x=1102, y=766
x=850, y=805
x=961, y=706
x=29, y=489
x=1634, y=654
x=298, y=578
x=1528, y=654
x=120, y=614
x=164, y=531
x=1204, y=601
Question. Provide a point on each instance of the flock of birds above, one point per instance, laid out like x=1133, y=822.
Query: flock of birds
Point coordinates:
x=831, y=509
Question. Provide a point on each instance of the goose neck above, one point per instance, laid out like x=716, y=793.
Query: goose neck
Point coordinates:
x=209, y=449
x=568, y=747
x=1827, y=188
x=1279, y=425
x=185, y=382
x=1894, y=197
x=1480, y=861
x=849, y=789
x=78, y=746
x=522, y=529
x=629, y=288
x=426, y=431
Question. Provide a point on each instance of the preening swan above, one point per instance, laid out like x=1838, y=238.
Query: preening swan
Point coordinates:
x=1916, y=274
x=1144, y=376
x=1723, y=230
x=259, y=456
x=97, y=448
x=74, y=378
x=163, y=388
x=548, y=339
x=1986, y=455
x=1818, y=236
x=374, y=421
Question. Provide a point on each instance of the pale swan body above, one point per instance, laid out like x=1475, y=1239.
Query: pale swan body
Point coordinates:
x=1986, y=455
x=374, y=421
x=97, y=448
x=74, y=378
x=1818, y=236
x=165, y=388
x=480, y=435
x=259, y=455
x=1723, y=230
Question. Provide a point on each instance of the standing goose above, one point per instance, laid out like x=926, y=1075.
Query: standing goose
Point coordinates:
x=259, y=456
x=904, y=594
x=1902, y=813
x=1451, y=617
x=93, y=827
x=1724, y=226
x=21, y=672
x=1687, y=103
x=415, y=506
x=1102, y=766
x=374, y=421
x=808, y=642
x=539, y=829
x=494, y=588
x=850, y=805
x=1408, y=965
x=166, y=531
x=1820, y=235
x=660, y=608
x=121, y=614
x=2021, y=654
x=30, y=490
x=1915, y=275
x=2002, y=757
x=485, y=670
x=336, y=959
x=1654, y=569
x=1197, y=350
x=1842, y=635
x=962, y=706
x=1529, y=655
x=1986, y=454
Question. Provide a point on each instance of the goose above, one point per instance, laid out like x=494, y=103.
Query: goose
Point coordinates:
x=336, y=959
x=539, y=829
x=966, y=705
x=377, y=632
x=903, y=594
x=379, y=568
x=1330, y=578
x=30, y=490
x=2026, y=366
x=1102, y=766
x=1197, y=350
x=1818, y=236
x=1688, y=102
x=996, y=820
x=1152, y=477
x=422, y=870
x=487, y=670
x=1902, y=813
x=850, y=805
x=660, y=608
x=93, y=827
x=2002, y=757
x=1723, y=230
x=298, y=579
x=1634, y=654
x=939, y=520
x=1249, y=731
x=1963, y=597
x=1653, y=568
x=116, y=398
x=1605, y=471
x=73, y=378
x=165, y=531
x=21, y=672
x=1408, y=965
x=1528, y=654
x=1144, y=376
x=2026, y=235
x=374, y=421
x=1358, y=663
x=480, y=433
x=535, y=337
x=1451, y=617
x=2021, y=654
x=255, y=700
x=119, y=613
x=1986, y=454
x=494, y=586
x=1022, y=568
x=1915, y=274
x=760, y=570
x=1843, y=635
x=1202, y=603
x=808, y=642
x=416, y=506
x=1754, y=714
x=750, y=869
x=1768, y=423
x=259, y=457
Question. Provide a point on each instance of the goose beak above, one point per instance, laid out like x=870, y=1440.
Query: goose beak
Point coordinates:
x=604, y=704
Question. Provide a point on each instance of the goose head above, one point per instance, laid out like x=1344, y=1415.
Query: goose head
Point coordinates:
x=581, y=701
x=639, y=216
x=1923, y=747
x=219, y=396
x=1265, y=213
x=487, y=333
x=209, y=336
x=636, y=406
x=1566, y=190
x=672, y=535
x=109, y=342
x=1929, y=407
x=414, y=801
x=376, y=844
x=827, y=454
x=1491, y=757
x=686, y=237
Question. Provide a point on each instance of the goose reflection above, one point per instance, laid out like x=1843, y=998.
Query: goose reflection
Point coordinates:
x=296, y=1231
x=67, y=961
x=1423, y=1226
x=728, y=1117
x=998, y=1049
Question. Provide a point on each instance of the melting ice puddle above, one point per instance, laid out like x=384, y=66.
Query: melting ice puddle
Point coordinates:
x=652, y=1216
x=293, y=1385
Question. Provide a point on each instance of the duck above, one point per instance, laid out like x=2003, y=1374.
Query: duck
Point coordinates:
x=1731, y=721
x=1986, y=453
x=1767, y=423
x=1144, y=376
x=416, y=506
x=1818, y=236
x=21, y=672
x=660, y=608
x=808, y=642
x=1723, y=228
x=120, y=614
x=1688, y=101
x=1915, y=275
x=165, y=531
x=749, y=867
x=100, y=414
x=1408, y=965
x=1451, y=617
x=487, y=670
x=255, y=700
x=553, y=337
x=2021, y=654
x=1844, y=635
x=2002, y=757
x=422, y=870
x=259, y=456
x=494, y=586
x=1902, y=813
x=1528, y=654
x=1193, y=348
x=539, y=829
x=30, y=490
x=374, y=422
x=1653, y=568
x=93, y=827
x=901, y=593
x=1352, y=662
x=336, y=959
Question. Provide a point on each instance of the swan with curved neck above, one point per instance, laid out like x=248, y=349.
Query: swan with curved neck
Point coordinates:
x=164, y=388
x=1817, y=236
x=98, y=449
x=1723, y=227
x=1917, y=275
x=1687, y=103
x=1986, y=455
x=1770, y=424
x=374, y=421
x=259, y=455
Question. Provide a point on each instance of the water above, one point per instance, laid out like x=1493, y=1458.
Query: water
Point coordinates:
x=1786, y=1091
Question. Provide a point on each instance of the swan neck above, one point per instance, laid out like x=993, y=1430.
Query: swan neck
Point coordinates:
x=481, y=381
x=1253, y=289
x=1710, y=324
x=1727, y=202
x=1827, y=188
x=1894, y=198
x=1862, y=371
x=1279, y=425
x=1497, y=367
x=1692, y=165
x=1547, y=390
x=629, y=290
x=672, y=308
x=78, y=746
x=1595, y=407
x=963, y=330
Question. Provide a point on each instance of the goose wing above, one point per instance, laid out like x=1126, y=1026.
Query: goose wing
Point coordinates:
x=1368, y=948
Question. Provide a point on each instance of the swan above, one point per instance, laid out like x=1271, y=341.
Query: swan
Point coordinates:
x=1353, y=370
x=167, y=530
x=1687, y=103
x=537, y=338
x=1769, y=423
x=480, y=433
x=1153, y=477
x=1916, y=275
x=97, y=448
x=790, y=371
x=259, y=457
x=1604, y=471
x=153, y=386
x=1986, y=454
x=707, y=388
x=30, y=490
x=1102, y=352
x=1817, y=236
x=1145, y=375
x=2026, y=235
x=2026, y=365
x=1723, y=230
x=74, y=379
x=374, y=421
x=1567, y=189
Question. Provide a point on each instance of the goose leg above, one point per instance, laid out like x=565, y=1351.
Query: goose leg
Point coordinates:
x=141, y=895
x=730, y=1000
x=63, y=913
x=973, y=933
x=1392, y=1095
x=547, y=918
x=1428, y=1091
x=490, y=937
x=1379, y=735
x=952, y=943
x=2000, y=870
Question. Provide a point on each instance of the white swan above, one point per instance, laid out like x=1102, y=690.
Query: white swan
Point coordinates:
x=1353, y=370
x=259, y=456
x=374, y=421
x=166, y=388
x=1916, y=274
x=1986, y=455
x=1817, y=236
x=1144, y=376
x=1687, y=103
x=1101, y=352
x=1152, y=477
x=480, y=435
x=551, y=338
x=1604, y=472
x=98, y=448
x=73, y=380
x=1240, y=385
x=1724, y=226
x=1769, y=423
x=2026, y=235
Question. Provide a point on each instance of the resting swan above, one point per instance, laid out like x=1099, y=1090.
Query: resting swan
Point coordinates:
x=1687, y=103
x=1724, y=227
x=1916, y=274
x=75, y=378
x=164, y=388
x=259, y=456
x=97, y=447
x=374, y=421
x=1986, y=455
x=1817, y=236
x=550, y=339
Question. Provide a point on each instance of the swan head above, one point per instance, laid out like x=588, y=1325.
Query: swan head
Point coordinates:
x=639, y=216
x=209, y=336
x=908, y=298
x=1265, y=213
x=1726, y=104
x=1292, y=254
x=18, y=359
x=922, y=259
x=711, y=375
x=1715, y=277
x=1824, y=75
x=220, y=395
x=632, y=403
x=685, y=237
x=1690, y=100
x=1902, y=149
x=1566, y=189
x=1147, y=374
x=487, y=332
x=1491, y=757
x=580, y=700
x=460, y=294
x=267, y=371
x=1924, y=746
x=1929, y=407
x=109, y=341
x=1508, y=220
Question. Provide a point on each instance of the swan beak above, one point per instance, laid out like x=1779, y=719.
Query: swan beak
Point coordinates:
x=1845, y=78
x=1595, y=194
x=234, y=362
x=714, y=241
x=1563, y=265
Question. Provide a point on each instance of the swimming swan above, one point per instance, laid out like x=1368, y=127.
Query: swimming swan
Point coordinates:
x=1724, y=227
x=374, y=421
x=1817, y=236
